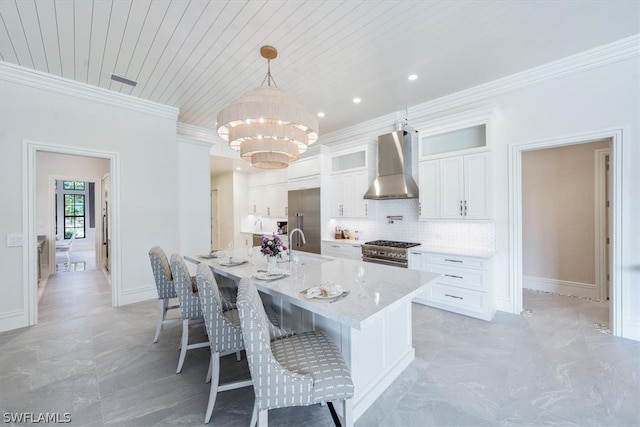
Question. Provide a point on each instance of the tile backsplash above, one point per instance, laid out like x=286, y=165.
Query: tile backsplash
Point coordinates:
x=452, y=234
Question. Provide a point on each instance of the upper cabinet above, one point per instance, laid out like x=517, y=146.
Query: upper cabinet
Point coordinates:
x=455, y=172
x=456, y=187
x=455, y=142
x=268, y=194
x=352, y=173
x=308, y=172
x=458, y=134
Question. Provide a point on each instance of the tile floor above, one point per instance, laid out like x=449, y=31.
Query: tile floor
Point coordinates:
x=553, y=366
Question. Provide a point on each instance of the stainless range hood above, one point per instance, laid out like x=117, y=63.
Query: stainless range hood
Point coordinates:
x=395, y=179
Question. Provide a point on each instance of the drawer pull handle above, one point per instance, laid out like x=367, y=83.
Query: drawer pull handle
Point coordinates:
x=455, y=277
x=453, y=296
x=453, y=260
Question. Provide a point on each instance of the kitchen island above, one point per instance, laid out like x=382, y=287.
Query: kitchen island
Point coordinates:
x=372, y=326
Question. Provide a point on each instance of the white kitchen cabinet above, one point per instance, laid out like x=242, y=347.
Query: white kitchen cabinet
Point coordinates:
x=255, y=200
x=267, y=193
x=456, y=187
x=351, y=175
x=349, y=249
x=429, y=184
x=346, y=194
x=268, y=200
x=463, y=287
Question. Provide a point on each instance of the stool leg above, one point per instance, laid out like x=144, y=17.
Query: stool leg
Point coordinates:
x=215, y=377
x=183, y=344
x=161, y=314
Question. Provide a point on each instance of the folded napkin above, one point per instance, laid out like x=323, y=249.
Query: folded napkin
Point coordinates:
x=326, y=290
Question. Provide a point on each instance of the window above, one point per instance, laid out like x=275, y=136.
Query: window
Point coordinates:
x=73, y=185
x=74, y=215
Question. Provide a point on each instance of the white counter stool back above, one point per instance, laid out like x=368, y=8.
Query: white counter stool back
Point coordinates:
x=189, y=301
x=297, y=370
x=164, y=285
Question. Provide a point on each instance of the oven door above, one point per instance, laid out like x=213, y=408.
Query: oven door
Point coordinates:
x=403, y=264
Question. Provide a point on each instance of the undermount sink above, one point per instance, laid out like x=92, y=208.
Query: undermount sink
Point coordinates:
x=308, y=258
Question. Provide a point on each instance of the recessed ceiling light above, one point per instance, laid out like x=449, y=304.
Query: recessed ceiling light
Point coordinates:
x=413, y=77
x=320, y=114
x=238, y=168
x=357, y=100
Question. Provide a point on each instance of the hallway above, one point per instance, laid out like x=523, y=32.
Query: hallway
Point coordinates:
x=552, y=366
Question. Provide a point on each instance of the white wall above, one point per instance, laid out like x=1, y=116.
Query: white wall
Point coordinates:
x=587, y=93
x=195, y=196
x=57, y=112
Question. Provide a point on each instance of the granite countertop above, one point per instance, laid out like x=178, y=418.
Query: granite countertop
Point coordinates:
x=384, y=287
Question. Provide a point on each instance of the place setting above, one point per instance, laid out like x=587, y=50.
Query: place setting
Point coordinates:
x=232, y=262
x=327, y=292
x=269, y=276
x=213, y=255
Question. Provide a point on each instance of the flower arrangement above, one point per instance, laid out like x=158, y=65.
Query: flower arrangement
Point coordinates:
x=273, y=246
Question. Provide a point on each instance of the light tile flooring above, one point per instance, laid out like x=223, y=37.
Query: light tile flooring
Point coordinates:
x=551, y=367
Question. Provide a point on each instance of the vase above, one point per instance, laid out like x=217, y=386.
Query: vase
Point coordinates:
x=271, y=264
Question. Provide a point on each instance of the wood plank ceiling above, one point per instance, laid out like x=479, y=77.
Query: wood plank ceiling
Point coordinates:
x=201, y=55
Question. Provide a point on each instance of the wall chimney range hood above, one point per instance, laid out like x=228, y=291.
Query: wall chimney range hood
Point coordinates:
x=395, y=177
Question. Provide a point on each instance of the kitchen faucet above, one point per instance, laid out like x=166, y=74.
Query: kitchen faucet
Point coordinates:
x=258, y=221
x=304, y=241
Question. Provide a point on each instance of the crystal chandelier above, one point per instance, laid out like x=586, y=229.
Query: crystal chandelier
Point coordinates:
x=269, y=128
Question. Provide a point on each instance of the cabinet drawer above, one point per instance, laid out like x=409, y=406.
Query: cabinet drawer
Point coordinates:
x=462, y=277
x=456, y=261
x=457, y=298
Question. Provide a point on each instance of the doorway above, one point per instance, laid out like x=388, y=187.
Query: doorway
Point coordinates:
x=44, y=164
x=561, y=226
x=516, y=218
x=75, y=227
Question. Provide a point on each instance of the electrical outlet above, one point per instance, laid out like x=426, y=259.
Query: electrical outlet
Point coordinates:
x=15, y=240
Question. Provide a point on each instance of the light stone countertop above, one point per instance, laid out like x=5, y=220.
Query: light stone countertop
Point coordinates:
x=345, y=241
x=384, y=287
x=470, y=252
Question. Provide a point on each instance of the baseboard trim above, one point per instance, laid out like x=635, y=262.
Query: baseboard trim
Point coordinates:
x=132, y=296
x=564, y=287
x=13, y=320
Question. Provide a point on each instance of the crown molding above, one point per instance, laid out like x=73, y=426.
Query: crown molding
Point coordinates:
x=607, y=54
x=603, y=55
x=198, y=133
x=378, y=126
x=60, y=85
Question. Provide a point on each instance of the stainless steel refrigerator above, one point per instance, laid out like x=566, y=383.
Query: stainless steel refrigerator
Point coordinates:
x=304, y=213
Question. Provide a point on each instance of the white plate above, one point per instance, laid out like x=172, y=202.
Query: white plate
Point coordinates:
x=319, y=289
x=212, y=255
x=328, y=297
x=268, y=276
x=232, y=263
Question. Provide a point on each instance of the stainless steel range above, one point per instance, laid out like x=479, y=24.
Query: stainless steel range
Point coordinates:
x=387, y=252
